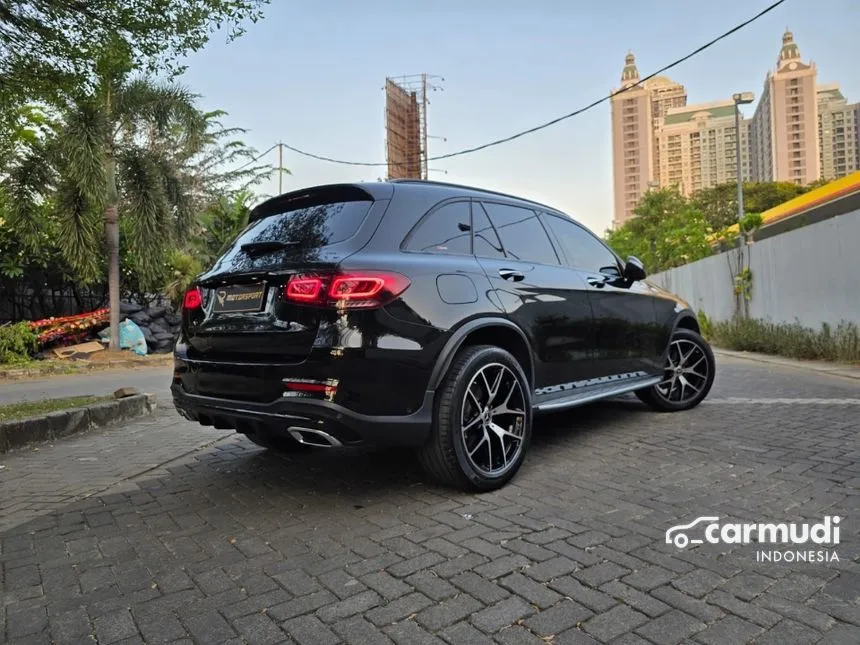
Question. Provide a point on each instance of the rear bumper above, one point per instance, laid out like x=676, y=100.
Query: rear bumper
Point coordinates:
x=322, y=418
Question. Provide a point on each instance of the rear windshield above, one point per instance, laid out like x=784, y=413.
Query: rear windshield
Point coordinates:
x=300, y=230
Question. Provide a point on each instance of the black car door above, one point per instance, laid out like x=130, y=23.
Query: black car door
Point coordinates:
x=625, y=315
x=545, y=298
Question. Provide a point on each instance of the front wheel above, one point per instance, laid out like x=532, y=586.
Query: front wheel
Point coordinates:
x=482, y=423
x=690, y=369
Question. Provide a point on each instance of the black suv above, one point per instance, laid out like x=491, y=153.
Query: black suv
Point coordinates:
x=428, y=315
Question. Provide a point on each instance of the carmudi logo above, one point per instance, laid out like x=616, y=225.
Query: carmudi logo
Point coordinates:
x=709, y=529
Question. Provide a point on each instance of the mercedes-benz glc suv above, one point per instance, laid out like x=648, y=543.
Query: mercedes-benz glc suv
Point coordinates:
x=425, y=315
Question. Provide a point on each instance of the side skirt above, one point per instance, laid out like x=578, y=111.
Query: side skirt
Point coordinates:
x=574, y=396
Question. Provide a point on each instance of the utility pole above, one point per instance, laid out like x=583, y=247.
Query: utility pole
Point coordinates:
x=280, y=168
x=424, y=163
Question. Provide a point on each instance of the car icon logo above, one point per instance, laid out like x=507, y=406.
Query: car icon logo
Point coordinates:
x=677, y=536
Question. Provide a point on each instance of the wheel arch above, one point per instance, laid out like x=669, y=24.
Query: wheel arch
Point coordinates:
x=486, y=331
x=686, y=320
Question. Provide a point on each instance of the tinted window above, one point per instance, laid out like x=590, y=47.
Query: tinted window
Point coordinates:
x=301, y=230
x=445, y=230
x=487, y=243
x=523, y=236
x=583, y=250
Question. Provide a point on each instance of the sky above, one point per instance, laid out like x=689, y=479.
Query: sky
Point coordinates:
x=311, y=74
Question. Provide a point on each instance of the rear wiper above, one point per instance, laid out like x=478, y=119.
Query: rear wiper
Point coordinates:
x=255, y=248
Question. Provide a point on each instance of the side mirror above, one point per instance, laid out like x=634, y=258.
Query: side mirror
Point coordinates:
x=634, y=269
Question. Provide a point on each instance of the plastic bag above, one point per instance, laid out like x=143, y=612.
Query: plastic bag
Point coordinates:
x=130, y=337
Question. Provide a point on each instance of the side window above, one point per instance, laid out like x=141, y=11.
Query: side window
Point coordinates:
x=582, y=249
x=523, y=236
x=487, y=243
x=445, y=230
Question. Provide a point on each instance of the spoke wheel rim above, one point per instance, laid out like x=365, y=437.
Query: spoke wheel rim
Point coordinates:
x=687, y=372
x=493, y=420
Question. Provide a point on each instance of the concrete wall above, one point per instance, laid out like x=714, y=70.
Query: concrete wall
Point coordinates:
x=811, y=275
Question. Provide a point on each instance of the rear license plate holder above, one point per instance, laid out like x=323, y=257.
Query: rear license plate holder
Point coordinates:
x=239, y=299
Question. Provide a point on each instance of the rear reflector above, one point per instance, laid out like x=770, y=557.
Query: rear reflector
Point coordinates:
x=310, y=387
x=359, y=289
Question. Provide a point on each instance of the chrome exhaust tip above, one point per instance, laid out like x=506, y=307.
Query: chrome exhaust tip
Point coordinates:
x=313, y=437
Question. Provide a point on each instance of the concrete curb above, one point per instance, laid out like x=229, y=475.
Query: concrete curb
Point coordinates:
x=72, y=367
x=834, y=369
x=65, y=423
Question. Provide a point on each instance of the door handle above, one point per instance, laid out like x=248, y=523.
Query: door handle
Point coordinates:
x=510, y=274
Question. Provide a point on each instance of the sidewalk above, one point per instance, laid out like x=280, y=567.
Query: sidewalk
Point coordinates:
x=834, y=369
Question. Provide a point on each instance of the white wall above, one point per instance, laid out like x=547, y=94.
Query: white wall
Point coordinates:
x=810, y=274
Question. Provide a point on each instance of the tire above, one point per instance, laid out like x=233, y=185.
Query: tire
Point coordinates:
x=445, y=456
x=275, y=443
x=662, y=397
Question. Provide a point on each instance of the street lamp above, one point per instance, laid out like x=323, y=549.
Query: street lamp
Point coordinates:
x=741, y=98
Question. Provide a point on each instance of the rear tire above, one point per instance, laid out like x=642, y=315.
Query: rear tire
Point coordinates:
x=689, y=375
x=482, y=421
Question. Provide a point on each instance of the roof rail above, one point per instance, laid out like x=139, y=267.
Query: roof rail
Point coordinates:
x=432, y=182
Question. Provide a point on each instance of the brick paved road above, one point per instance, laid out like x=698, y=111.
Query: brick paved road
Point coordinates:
x=227, y=543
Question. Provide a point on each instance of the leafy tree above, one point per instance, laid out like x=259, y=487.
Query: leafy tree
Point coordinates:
x=666, y=232
x=51, y=45
x=719, y=204
x=220, y=223
x=112, y=159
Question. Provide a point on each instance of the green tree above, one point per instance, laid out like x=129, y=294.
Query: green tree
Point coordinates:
x=114, y=159
x=220, y=223
x=667, y=231
x=47, y=46
x=719, y=204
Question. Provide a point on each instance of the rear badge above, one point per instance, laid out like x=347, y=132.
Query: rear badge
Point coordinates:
x=239, y=299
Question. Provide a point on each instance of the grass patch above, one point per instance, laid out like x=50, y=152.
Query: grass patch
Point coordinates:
x=791, y=340
x=31, y=409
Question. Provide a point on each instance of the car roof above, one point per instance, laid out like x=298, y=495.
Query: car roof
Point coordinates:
x=385, y=190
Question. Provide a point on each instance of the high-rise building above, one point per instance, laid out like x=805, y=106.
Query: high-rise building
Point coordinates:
x=784, y=130
x=697, y=146
x=636, y=112
x=837, y=133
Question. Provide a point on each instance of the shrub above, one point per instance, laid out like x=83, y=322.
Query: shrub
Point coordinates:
x=705, y=326
x=792, y=340
x=17, y=343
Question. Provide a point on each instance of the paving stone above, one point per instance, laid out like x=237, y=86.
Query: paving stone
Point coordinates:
x=487, y=591
x=448, y=612
x=840, y=635
x=501, y=566
x=639, y=600
x=613, y=623
x=302, y=605
x=503, y=614
x=595, y=600
x=747, y=585
x=534, y=592
x=29, y=621
x=310, y=630
x=208, y=627
x=698, y=608
x=598, y=574
x=398, y=609
x=789, y=632
x=697, y=583
x=408, y=632
x=558, y=618
x=357, y=631
x=431, y=585
x=386, y=585
x=549, y=569
x=516, y=635
x=357, y=604
x=258, y=629
x=730, y=630
x=671, y=628
x=115, y=626
x=464, y=634
x=648, y=578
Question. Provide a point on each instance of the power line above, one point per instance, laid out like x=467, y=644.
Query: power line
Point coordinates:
x=255, y=159
x=564, y=117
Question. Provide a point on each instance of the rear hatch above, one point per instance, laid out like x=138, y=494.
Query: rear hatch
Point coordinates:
x=244, y=314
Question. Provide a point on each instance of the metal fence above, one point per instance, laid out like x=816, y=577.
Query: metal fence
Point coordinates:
x=809, y=275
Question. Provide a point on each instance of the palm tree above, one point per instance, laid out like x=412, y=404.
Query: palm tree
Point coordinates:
x=119, y=158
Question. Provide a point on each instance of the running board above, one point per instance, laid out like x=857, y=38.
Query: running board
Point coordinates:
x=596, y=393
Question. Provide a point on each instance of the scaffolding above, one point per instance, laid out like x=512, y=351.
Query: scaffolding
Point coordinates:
x=406, y=125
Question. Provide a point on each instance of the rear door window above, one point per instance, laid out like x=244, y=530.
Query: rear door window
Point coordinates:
x=522, y=234
x=445, y=230
x=487, y=243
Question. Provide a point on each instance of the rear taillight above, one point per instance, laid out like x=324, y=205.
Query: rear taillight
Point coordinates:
x=193, y=299
x=353, y=290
